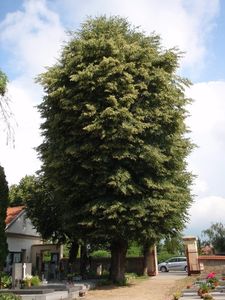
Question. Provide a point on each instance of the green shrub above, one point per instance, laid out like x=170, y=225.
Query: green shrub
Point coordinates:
x=100, y=253
x=6, y=281
x=35, y=280
x=130, y=276
x=9, y=296
x=134, y=250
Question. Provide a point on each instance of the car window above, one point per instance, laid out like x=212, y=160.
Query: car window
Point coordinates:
x=172, y=260
x=182, y=259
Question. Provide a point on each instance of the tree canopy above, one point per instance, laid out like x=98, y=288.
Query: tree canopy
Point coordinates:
x=41, y=207
x=3, y=212
x=3, y=83
x=115, y=140
x=23, y=191
x=215, y=236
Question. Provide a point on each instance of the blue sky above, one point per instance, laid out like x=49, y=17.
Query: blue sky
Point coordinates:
x=31, y=36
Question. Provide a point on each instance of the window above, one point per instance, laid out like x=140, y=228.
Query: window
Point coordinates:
x=172, y=260
x=13, y=257
x=182, y=259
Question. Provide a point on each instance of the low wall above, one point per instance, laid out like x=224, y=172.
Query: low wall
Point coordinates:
x=212, y=263
x=133, y=264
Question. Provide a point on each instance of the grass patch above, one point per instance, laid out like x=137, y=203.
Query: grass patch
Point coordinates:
x=130, y=278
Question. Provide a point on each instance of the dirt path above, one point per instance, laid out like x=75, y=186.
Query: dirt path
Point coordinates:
x=154, y=288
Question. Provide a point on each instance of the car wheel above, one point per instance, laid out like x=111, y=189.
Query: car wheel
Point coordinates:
x=163, y=269
x=186, y=269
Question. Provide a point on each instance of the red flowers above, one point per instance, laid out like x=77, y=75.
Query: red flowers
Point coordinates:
x=211, y=275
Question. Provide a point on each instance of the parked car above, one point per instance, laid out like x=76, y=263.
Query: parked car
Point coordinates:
x=174, y=264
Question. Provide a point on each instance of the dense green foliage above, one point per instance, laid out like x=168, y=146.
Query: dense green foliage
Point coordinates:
x=42, y=209
x=174, y=245
x=100, y=253
x=5, y=280
x=114, y=145
x=9, y=296
x=3, y=212
x=215, y=236
x=170, y=247
x=134, y=250
x=22, y=192
x=3, y=83
x=164, y=255
x=35, y=281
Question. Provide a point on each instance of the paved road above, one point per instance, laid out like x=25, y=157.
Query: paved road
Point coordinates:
x=175, y=274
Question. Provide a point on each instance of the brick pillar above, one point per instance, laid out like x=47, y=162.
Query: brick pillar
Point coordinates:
x=191, y=251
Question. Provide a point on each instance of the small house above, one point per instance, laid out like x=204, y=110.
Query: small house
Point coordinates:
x=21, y=236
x=25, y=245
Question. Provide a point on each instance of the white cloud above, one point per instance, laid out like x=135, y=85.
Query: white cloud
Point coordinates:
x=21, y=160
x=33, y=37
x=180, y=23
x=204, y=212
x=207, y=123
x=200, y=186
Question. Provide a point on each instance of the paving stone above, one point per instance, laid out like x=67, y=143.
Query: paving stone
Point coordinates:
x=49, y=296
x=191, y=298
x=218, y=294
x=194, y=290
x=189, y=294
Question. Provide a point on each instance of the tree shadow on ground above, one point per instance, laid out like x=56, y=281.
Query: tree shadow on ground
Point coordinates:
x=111, y=286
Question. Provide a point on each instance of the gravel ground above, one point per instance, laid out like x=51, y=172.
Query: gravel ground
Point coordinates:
x=159, y=287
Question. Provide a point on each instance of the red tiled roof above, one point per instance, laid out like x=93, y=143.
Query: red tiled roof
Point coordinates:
x=12, y=213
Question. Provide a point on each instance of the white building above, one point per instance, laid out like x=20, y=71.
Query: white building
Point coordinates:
x=25, y=245
x=21, y=236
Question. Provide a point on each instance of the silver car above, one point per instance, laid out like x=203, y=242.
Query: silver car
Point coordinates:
x=174, y=264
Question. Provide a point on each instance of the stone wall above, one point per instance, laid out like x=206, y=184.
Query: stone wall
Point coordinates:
x=212, y=263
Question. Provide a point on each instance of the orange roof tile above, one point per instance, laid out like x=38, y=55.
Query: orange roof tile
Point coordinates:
x=12, y=213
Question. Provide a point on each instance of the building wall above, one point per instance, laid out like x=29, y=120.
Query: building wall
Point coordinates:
x=16, y=244
x=21, y=235
x=22, y=225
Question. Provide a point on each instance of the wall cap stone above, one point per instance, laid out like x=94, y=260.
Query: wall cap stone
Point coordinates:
x=211, y=257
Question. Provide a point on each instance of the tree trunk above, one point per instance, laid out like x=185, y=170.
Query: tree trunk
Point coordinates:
x=150, y=264
x=146, y=258
x=73, y=251
x=118, y=260
x=84, y=261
